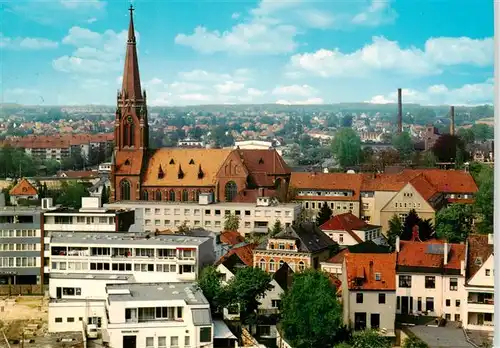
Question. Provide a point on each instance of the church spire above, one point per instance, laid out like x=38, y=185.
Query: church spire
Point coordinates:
x=131, y=86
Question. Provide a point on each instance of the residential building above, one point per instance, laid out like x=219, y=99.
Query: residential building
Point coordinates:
x=179, y=174
x=301, y=246
x=254, y=217
x=23, y=190
x=93, y=260
x=431, y=278
x=369, y=292
x=478, y=304
x=339, y=190
x=347, y=229
x=188, y=142
x=157, y=315
x=21, y=245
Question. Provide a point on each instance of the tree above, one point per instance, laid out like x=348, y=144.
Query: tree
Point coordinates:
x=248, y=285
x=370, y=339
x=483, y=204
x=311, y=313
x=404, y=145
x=454, y=222
x=414, y=342
x=446, y=146
x=231, y=222
x=428, y=159
x=425, y=228
x=346, y=147
x=71, y=195
x=324, y=214
x=183, y=228
x=277, y=228
x=395, y=230
x=347, y=121
x=467, y=135
x=210, y=283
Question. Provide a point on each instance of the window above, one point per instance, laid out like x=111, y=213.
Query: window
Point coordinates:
x=70, y=320
x=125, y=190
x=231, y=190
x=275, y=303
x=447, y=316
x=488, y=317
x=158, y=195
x=488, y=272
x=187, y=341
x=264, y=330
x=359, y=297
x=341, y=238
x=448, y=302
x=174, y=341
x=419, y=304
x=429, y=304
x=378, y=276
x=405, y=281
x=381, y=298
x=457, y=317
x=453, y=284
x=430, y=282
x=262, y=264
x=145, y=196
x=302, y=266
x=205, y=334
x=150, y=342
x=171, y=195
x=375, y=320
x=58, y=320
x=272, y=266
x=162, y=342
x=457, y=303
x=185, y=195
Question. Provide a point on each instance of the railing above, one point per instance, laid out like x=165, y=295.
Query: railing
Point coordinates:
x=486, y=301
x=268, y=311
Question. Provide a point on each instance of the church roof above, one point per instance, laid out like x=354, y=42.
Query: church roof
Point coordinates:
x=131, y=85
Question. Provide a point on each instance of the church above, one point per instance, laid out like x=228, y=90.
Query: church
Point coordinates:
x=179, y=174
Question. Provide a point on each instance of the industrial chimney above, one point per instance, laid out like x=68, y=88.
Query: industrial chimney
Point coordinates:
x=452, y=120
x=400, y=111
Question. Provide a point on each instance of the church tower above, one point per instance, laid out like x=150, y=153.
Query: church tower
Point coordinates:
x=131, y=127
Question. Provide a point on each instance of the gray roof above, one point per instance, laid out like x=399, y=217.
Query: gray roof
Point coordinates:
x=121, y=238
x=97, y=276
x=201, y=316
x=309, y=237
x=189, y=292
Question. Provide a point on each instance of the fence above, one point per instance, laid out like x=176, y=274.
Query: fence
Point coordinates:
x=15, y=290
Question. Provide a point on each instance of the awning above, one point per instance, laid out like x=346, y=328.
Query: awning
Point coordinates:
x=221, y=331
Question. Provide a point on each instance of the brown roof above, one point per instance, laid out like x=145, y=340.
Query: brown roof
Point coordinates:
x=345, y=222
x=23, y=188
x=231, y=237
x=128, y=162
x=339, y=257
x=251, y=195
x=478, y=249
x=245, y=253
x=131, y=85
x=187, y=161
x=417, y=254
x=58, y=141
x=328, y=181
x=423, y=187
x=79, y=173
x=263, y=165
x=362, y=268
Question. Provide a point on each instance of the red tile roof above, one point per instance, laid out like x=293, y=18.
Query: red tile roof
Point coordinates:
x=263, y=165
x=231, y=237
x=245, y=253
x=23, y=188
x=251, y=195
x=345, y=222
x=328, y=181
x=416, y=254
x=423, y=187
x=363, y=268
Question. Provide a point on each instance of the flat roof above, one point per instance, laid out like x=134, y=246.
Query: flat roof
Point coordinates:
x=94, y=276
x=139, y=204
x=189, y=292
x=83, y=211
x=120, y=238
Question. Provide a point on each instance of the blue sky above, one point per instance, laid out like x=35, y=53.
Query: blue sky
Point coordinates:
x=192, y=52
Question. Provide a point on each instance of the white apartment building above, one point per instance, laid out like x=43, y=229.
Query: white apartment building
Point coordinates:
x=431, y=278
x=92, y=260
x=478, y=308
x=157, y=315
x=254, y=217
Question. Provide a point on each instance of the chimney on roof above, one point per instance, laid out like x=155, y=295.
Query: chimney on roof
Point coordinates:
x=452, y=120
x=400, y=111
x=445, y=251
x=371, y=270
x=397, y=244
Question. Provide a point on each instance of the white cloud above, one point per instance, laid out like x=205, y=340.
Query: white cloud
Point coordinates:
x=318, y=19
x=468, y=94
x=236, y=15
x=119, y=80
x=93, y=84
x=254, y=92
x=295, y=90
x=309, y=101
x=385, y=55
x=91, y=20
x=95, y=53
x=229, y=87
x=379, y=12
x=185, y=87
x=154, y=81
x=82, y=4
x=199, y=75
x=27, y=43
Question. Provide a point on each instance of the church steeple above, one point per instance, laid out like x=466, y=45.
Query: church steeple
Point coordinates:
x=131, y=86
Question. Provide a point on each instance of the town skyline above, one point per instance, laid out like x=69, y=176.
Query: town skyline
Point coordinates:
x=249, y=53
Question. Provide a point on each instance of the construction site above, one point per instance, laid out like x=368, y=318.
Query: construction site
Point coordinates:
x=23, y=323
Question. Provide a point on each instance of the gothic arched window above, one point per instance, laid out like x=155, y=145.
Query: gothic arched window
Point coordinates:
x=197, y=196
x=125, y=190
x=128, y=131
x=158, y=195
x=145, y=195
x=171, y=196
x=185, y=195
x=231, y=190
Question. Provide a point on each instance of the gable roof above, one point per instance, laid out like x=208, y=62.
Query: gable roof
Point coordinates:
x=231, y=237
x=262, y=165
x=328, y=181
x=23, y=188
x=423, y=187
x=367, y=247
x=308, y=236
x=189, y=162
x=478, y=248
x=419, y=254
x=361, y=270
x=283, y=276
x=128, y=162
x=241, y=254
x=347, y=222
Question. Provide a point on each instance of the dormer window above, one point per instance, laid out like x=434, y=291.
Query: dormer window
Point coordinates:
x=378, y=276
x=161, y=174
x=191, y=161
x=478, y=261
x=127, y=162
x=180, y=173
x=172, y=161
x=200, y=173
x=261, y=161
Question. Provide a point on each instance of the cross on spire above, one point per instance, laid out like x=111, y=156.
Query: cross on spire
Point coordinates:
x=131, y=9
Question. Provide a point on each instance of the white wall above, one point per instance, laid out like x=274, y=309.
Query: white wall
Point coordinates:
x=480, y=278
x=76, y=310
x=343, y=238
x=273, y=294
x=371, y=305
x=90, y=288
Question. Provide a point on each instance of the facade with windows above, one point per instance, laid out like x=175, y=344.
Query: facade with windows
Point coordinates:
x=157, y=315
x=21, y=246
x=254, y=217
x=430, y=279
x=93, y=260
x=369, y=292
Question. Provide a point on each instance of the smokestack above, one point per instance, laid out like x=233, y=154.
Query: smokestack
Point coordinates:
x=400, y=111
x=452, y=120
x=397, y=244
x=445, y=251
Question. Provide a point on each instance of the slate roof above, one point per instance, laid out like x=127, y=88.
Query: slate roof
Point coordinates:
x=361, y=248
x=243, y=253
x=283, y=276
x=478, y=249
x=347, y=222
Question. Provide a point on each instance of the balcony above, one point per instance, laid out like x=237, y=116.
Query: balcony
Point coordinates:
x=268, y=311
